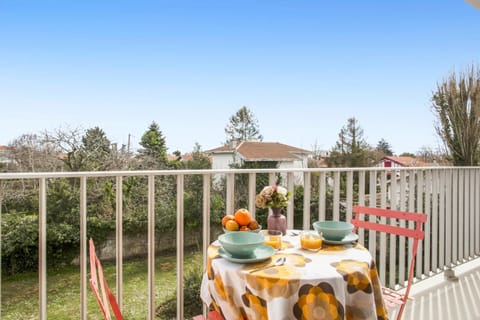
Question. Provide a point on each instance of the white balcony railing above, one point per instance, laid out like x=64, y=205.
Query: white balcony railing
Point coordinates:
x=450, y=196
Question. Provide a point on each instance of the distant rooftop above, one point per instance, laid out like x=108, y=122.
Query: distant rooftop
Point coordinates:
x=262, y=151
x=408, y=161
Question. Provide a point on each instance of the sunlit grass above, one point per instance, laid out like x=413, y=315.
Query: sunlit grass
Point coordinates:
x=19, y=296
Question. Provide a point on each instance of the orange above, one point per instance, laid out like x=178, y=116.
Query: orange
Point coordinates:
x=253, y=225
x=232, y=225
x=226, y=218
x=243, y=217
x=244, y=228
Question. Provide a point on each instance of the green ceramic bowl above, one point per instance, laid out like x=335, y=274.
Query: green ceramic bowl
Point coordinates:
x=241, y=244
x=333, y=230
x=256, y=230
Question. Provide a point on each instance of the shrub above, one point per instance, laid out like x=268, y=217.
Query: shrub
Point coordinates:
x=192, y=301
x=20, y=243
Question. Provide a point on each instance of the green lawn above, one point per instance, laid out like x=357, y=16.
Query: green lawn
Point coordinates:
x=19, y=295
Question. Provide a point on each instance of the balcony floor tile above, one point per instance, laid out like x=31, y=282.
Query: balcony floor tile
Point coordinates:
x=439, y=299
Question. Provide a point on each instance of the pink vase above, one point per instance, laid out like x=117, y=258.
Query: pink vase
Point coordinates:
x=277, y=221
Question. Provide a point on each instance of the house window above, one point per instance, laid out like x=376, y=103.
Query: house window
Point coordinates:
x=387, y=164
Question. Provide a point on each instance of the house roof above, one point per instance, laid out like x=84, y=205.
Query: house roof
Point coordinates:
x=263, y=151
x=5, y=148
x=407, y=161
x=183, y=157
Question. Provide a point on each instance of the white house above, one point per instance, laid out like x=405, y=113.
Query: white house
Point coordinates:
x=253, y=151
x=400, y=162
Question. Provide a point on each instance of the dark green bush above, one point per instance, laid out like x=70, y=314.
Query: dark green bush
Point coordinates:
x=20, y=243
x=192, y=302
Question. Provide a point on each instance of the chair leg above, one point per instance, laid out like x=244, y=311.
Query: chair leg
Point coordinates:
x=104, y=296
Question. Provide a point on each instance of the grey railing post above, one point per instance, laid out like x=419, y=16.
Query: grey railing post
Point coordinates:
x=180, y=243
x=42, y=249
x=151, y=247
x=119, y=239
x=83, y=247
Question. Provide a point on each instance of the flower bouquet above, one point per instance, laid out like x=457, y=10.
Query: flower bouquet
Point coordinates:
x=274, y=197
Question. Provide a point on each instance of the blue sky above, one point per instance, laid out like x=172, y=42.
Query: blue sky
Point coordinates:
x=302, y=67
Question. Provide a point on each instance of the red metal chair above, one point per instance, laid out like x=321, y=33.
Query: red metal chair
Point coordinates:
x=212, y=315
x=105, y=297
x=393, y=298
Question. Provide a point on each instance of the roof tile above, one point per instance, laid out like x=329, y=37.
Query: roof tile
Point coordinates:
x=256, y=151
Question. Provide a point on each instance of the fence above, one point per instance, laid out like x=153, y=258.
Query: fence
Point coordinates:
x=450, y=196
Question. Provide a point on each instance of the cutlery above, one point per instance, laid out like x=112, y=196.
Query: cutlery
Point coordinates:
x=279, y=262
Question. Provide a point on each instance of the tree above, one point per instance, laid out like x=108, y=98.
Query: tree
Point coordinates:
x=95, y=150
x=243, y=126
x=428, y=155
x=88, y=150
x=407, y=154
x=68, y=143
x=456, y=104
x=193, y=192
x=351, y=149
x=384, y=147
x=199, y=159
x=31, y=152
x=28, y=153
x=154, y=151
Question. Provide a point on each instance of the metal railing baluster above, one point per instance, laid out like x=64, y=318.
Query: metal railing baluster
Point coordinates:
x=448, y=195
x=83, y=247
x=42, y=248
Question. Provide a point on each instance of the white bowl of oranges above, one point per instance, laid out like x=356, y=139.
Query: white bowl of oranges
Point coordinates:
x=241, y=220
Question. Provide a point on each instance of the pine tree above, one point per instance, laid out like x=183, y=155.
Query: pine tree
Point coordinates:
x=153, y=155
x=95, y=150
x=243, y=126
x=351, y=149
x=384, y=147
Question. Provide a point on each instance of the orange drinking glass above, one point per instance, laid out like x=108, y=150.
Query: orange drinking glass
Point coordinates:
x=310, y=240
x=273, y=238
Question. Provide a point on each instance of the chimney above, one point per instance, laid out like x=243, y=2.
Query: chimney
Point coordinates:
x=234, y=143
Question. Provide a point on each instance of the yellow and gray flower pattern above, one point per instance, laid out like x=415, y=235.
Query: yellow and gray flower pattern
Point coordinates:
x=338, y=282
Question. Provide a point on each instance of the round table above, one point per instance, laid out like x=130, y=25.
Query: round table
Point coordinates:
x=339, y=281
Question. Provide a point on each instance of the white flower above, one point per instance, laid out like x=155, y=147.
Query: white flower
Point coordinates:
x=267, y=190
x=282, y=191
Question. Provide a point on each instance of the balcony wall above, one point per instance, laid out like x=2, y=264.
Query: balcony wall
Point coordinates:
x=450, y=196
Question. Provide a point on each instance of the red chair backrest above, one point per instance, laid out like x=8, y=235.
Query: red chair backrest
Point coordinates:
x=418, y=218
x=416, y=233
x=105, y=297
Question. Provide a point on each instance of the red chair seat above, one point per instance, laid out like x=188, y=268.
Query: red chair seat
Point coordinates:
x=392, y=298
x=212, y=315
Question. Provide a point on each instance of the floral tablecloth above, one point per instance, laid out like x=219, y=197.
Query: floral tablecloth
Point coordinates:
x=337, y=282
